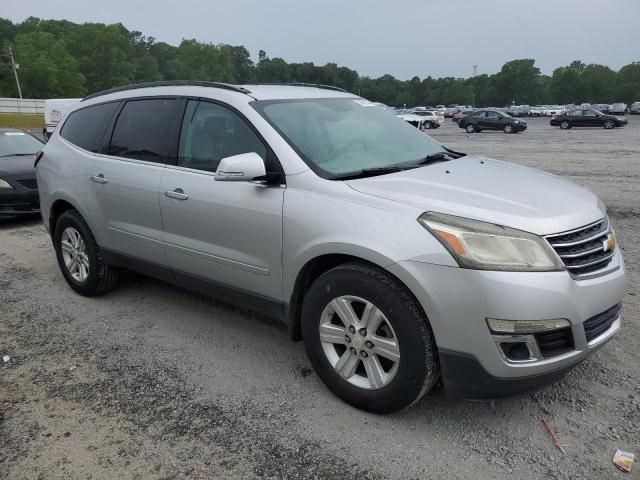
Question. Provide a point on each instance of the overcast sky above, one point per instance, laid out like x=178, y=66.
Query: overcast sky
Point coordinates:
x=374, y=37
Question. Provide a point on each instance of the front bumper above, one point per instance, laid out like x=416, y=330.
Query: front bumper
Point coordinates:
x=458, y=301
x=19, y=200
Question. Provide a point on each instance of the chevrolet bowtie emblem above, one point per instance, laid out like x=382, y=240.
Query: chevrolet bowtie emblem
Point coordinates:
x=609, y=243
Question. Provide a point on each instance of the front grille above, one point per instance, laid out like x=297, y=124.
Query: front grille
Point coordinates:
x=29, y=183
x=598, y=324
x=555, y=342
x=584, y=250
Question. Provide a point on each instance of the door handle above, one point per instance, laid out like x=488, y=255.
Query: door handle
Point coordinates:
x=178, y=194
x=99, y=178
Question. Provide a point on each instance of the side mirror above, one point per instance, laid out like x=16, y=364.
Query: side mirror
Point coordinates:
x=240, y=168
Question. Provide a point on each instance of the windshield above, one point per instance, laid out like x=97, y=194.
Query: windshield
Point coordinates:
x=18, y=143
x=338, y=136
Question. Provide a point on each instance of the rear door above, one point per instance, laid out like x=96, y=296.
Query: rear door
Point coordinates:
x=125, y=178
x=228, y=234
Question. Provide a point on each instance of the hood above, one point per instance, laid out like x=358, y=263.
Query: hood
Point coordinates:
x=15, y=166
x=492, y=191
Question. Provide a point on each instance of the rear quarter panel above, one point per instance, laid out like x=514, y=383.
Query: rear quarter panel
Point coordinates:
x=63, y=174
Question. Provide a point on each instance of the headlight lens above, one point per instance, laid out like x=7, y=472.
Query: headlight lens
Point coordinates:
x=485, y=246
x=4, y=184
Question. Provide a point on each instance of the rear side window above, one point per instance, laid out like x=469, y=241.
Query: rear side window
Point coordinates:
x=144, y=130
x=85, y=127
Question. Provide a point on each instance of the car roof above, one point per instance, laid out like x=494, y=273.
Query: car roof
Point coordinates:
x=207, y=89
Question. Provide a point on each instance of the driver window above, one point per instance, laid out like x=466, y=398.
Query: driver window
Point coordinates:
x=211, y=132
x=493, y=115
x=589, y=113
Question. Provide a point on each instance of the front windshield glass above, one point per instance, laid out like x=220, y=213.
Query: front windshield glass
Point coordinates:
x=338, y=136
x=18, y=143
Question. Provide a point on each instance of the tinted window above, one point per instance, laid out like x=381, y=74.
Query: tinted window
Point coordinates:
x=494, y=115
x=589, y=113
x=210, y=133
x=144, y=130
x=85, y=127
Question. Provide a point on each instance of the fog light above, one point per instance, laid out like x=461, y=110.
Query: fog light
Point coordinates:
x=517, y=351
x=516, y=327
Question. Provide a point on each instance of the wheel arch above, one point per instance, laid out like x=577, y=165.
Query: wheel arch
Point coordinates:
x=314, y=268
x=61, y=205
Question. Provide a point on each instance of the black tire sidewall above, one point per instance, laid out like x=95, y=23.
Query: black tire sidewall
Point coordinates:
x=470, y=128
x=509, y=127
x=73, y=219
x=407, y=385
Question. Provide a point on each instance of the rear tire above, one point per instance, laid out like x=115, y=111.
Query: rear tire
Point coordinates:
x=79, y=256
x=470, y=128
x=371, y=378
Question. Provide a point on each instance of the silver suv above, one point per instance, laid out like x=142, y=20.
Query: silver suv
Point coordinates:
x=397, y=260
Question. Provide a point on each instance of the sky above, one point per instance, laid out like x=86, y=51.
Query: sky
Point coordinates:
x=403, y=38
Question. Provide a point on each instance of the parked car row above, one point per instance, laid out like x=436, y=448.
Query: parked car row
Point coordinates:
x=492, y=119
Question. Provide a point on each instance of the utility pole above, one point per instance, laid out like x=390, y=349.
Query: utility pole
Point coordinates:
x=475, y=70
x=15, y=67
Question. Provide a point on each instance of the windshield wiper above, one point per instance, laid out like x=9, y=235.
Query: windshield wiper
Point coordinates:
x=370, y=172
x=436, y=157
x=16, y=155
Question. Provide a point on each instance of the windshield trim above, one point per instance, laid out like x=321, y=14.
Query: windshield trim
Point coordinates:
x=258, y=106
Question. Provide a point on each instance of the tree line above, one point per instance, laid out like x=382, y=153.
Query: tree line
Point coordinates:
x=59, y=58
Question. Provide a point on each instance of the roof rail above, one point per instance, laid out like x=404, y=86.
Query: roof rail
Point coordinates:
x=301, y=84
x=169, y=83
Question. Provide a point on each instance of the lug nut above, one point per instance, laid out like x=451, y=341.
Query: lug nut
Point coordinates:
x=363, y=332
x=368, y=344
x=352, y=329
x=347, y=338
x=353, y=350
x=364, y=354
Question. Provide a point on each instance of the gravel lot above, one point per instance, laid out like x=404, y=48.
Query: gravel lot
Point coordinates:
x=151, y=381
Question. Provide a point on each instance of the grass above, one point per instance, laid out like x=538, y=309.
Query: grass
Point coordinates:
x=25, y=122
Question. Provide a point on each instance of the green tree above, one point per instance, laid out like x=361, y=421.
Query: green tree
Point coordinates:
x=628, y=89
x=46, y=67
x=104, y=54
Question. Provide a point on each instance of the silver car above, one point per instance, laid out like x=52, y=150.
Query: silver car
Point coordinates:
x=395, y=259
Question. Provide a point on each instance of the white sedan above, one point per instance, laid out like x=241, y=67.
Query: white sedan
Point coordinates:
x=423, y=119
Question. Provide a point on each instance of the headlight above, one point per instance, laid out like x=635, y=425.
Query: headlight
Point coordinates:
x=4, y=184
x=485, y=246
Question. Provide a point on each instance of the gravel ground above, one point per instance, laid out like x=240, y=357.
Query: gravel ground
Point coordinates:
x=151, y=381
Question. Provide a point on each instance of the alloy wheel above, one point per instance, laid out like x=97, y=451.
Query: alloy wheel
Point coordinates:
x=74, y=253
x=359, y=342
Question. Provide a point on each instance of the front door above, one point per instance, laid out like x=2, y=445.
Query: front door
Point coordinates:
x=125, y=180
x=228, y=234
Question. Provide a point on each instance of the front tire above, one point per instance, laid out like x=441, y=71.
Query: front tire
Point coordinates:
x=508, y=128
x=609, y=124
x=79, y=256
x=368, y=338
x=470, y=128
x=565, y=125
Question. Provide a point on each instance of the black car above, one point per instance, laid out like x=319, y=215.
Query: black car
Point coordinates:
x=587, y=118
x=491, y=120
x=18, y=187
